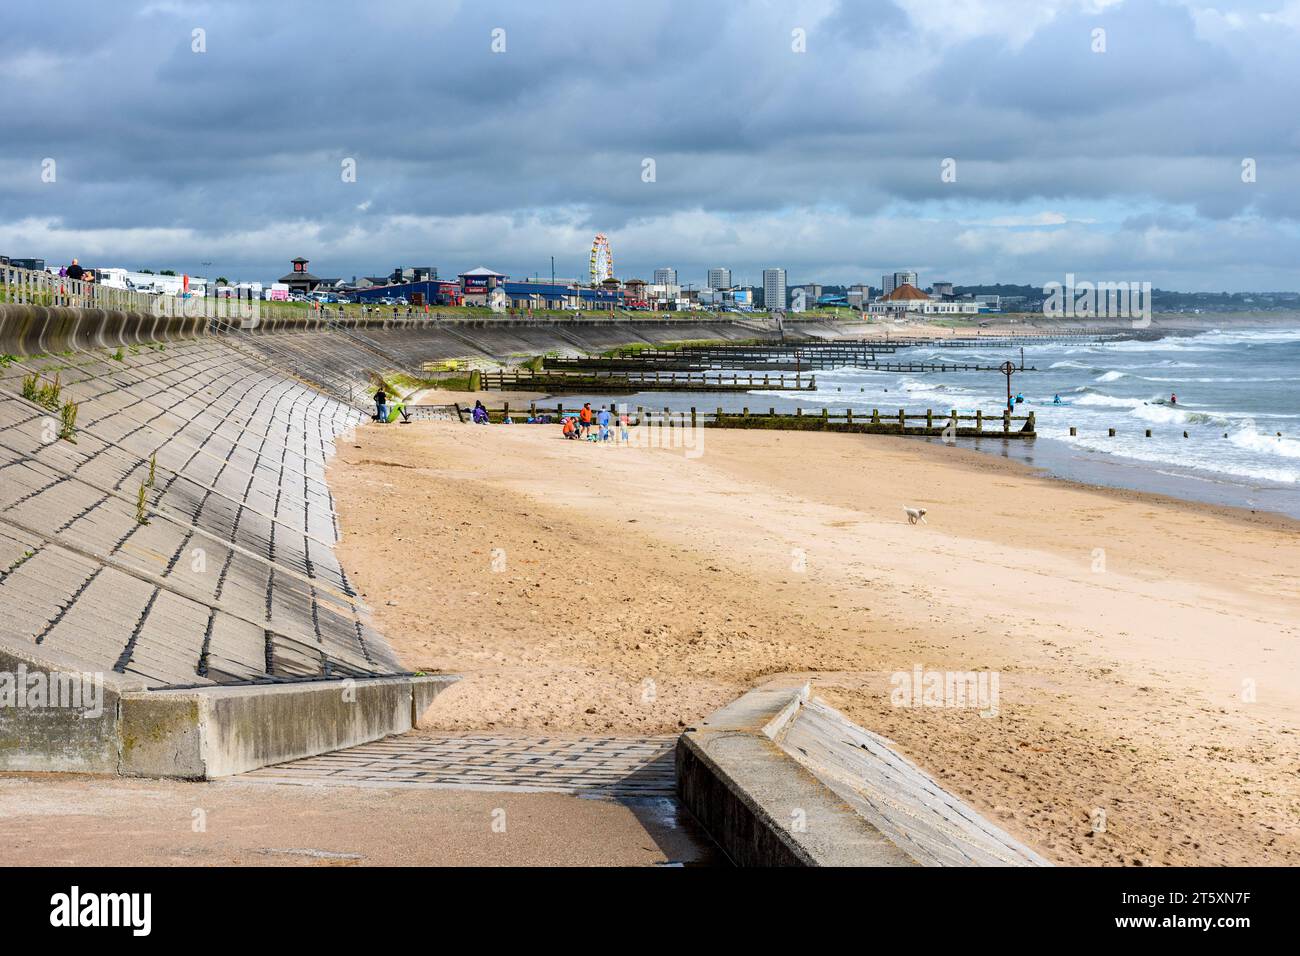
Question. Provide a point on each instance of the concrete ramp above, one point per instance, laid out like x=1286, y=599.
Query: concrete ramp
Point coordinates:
x=893, y=795
x=779, y=779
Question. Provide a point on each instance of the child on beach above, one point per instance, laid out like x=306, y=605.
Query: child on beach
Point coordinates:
x=622, y=426
x=603, y=420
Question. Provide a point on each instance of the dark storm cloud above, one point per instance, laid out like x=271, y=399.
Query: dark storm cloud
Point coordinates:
x=465, y=156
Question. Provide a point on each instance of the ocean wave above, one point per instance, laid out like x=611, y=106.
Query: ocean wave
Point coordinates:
x=1257, y=441
x=1111, y=376
x=1093, y=397
x=1178, y=455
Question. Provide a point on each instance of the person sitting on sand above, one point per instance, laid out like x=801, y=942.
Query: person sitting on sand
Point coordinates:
x=603, y=420
x=480, y=415
x=381, y=405
x=584, y=417
x=569, y=431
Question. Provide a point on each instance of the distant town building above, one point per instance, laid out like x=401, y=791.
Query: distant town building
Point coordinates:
x=907, y=300
x=719, y=278
x=941, y=289
x=773, y=289
x=477, y=283
x=414, y=274
x=886, y=283
x=665, y=276
x=299, y=279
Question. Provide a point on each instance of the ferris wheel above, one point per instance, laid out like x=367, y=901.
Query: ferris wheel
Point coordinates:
x=602, y=260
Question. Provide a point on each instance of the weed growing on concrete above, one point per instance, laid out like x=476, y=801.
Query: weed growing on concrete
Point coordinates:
x=68, y=421
x=140, y=517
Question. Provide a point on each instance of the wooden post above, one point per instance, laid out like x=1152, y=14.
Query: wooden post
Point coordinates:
x=559, y=410
x=1073, y=431
x=1110, y=433
x=745, y=411
x=692, y=416
x=771, y=412
x=798, y=412
x=532, y=409
x=1006, y=420
x=929, y=419
x=850, y=416
x=1148, y=433
x=902, y=419
x=1033, y=421
x=979, y=419
x=505, y=411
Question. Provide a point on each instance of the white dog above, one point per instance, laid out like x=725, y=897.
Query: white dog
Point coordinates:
x=914, y=515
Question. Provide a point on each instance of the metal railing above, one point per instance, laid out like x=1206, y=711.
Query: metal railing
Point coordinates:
x=25, y=287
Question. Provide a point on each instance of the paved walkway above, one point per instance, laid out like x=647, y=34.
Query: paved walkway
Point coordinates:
x=618, y=767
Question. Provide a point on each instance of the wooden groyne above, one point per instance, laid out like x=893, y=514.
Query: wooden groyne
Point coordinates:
x=647, y=381
x=929, y=423
x=795, y=362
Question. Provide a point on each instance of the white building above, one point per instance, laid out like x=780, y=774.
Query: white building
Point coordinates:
x=665, y=276
x=907, y=301
x=719, y=278
x=665, y=296
x=774, y=289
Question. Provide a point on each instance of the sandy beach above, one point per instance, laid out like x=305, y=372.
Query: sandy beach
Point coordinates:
x=1146, y=648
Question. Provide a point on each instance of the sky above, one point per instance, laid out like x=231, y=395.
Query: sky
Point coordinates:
x=971, y=141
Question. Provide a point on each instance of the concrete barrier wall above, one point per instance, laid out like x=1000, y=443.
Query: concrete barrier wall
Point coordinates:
x=779, y=779
x=216, y=732
x=38, y=330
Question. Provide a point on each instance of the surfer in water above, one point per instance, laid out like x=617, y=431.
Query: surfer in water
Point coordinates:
x=1173, y=399
x=1056, y=399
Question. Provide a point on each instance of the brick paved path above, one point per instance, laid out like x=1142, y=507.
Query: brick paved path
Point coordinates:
x=618, y=767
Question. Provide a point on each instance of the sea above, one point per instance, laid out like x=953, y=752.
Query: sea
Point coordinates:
x=1238, y=401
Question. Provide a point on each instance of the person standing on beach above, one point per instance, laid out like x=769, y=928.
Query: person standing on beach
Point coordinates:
x=584, y=416
x=603, y=419
x=622, y=426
